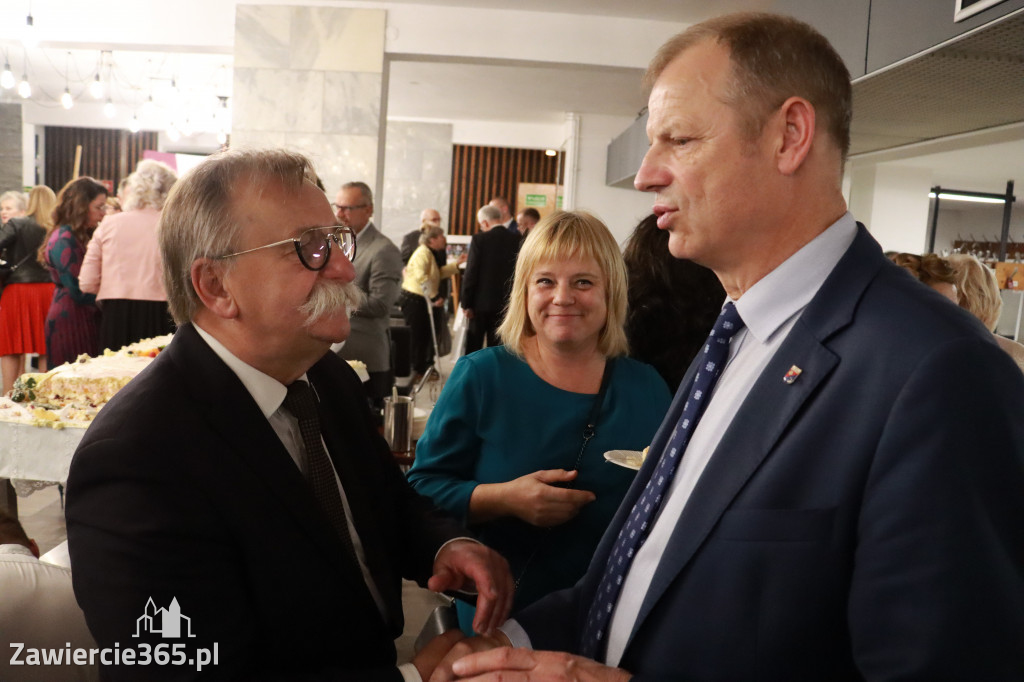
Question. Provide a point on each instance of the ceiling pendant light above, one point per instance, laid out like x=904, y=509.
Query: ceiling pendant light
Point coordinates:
x=65, y=100
x=109, y=110
x=24, y=89
x=28, y=36
x=7, y=77
x=96, y=88
x=133, y=125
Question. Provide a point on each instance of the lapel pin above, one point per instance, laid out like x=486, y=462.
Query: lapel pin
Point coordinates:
x=792, y=374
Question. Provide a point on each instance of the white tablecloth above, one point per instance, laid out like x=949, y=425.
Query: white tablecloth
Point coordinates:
x=35, y=453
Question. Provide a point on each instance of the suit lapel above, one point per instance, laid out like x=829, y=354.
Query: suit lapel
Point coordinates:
x=765, y=414
x=349, y=445
x=246, y=434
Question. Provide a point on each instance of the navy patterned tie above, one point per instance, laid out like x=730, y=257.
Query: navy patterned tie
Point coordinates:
x=632, y=536
x=319, y=472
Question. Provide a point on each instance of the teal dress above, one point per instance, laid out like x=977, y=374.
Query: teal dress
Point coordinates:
x=496, y=421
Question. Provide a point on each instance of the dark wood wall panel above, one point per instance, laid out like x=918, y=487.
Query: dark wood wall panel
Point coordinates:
x=481, y=173
x=106, y=154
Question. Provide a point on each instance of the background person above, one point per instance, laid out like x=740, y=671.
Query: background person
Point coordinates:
x=122, y=264
x=527, y=219
x=490, y=265
x=422, y=269
x=28, y=290
x=502, y=448
x=673, y=303
x=37, y=610
x=931, y=270
x=978, y=294
x=12, y=205
x=72, y=323
x=378, y=274
x=429, y=217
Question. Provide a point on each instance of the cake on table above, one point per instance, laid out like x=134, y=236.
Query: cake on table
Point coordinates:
x=72, y=394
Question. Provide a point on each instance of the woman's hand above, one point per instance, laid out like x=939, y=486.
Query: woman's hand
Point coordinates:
x=535, y=498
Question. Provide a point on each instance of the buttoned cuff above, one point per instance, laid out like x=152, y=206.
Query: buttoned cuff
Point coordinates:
x=516, y=634
x=409, y=673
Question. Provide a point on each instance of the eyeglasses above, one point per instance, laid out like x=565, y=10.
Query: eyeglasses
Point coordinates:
x=338, y=209
x=314, y=245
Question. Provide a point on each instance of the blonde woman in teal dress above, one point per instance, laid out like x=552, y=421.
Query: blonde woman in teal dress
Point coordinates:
x=502, y=448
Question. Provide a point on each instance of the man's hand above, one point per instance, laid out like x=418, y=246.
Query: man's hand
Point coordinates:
x=463, y=564
x=468, y=312
x=443, y=670
x=435, y=651
x=526, y=664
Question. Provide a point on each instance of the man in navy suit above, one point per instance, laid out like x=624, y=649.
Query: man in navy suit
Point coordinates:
x=489, y=269
x=849, y=505
x=208, y=484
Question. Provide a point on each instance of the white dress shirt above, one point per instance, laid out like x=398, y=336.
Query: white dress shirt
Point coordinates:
x=769, y=310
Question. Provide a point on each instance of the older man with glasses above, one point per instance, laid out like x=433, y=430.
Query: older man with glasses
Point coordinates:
x=378, y=274
x=238, y=487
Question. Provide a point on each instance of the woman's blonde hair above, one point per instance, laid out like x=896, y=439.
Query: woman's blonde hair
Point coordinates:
x=977, y=288
x=564, y=236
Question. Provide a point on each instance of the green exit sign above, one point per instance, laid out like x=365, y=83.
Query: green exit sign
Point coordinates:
x=536, y=200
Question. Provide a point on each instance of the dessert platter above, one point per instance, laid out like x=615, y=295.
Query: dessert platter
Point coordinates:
x=71, y=394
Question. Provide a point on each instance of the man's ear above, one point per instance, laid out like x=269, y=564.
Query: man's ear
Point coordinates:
x=796, y=117
x=208, y=281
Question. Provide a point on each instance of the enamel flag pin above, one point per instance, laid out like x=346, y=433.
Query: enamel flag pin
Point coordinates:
x=792, y=374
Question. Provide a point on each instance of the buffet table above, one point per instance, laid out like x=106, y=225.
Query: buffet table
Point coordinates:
x=33, y=454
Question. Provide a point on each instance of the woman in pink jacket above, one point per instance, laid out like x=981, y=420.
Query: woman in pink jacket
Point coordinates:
x=122, y=265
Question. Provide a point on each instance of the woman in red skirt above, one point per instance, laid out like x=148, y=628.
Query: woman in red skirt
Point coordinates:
x=28, y=290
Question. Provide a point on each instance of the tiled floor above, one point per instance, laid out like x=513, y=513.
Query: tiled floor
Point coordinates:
x=42, y=516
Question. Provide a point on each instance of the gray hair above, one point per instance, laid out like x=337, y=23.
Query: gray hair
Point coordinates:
x=199, y=220
x=429, y=234
x=149, y=184
x=363, y=188
x=20, y=198
x=488, y=213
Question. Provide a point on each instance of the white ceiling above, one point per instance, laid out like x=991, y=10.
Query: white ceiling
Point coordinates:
x=501, y=92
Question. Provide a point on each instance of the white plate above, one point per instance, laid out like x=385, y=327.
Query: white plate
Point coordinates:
x=631, y=459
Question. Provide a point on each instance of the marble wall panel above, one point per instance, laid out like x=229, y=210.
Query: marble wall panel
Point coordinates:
x=278, y=99
x=417, y=174
x=258, y=139
x=351, y=103
x=333, y=39
x=340, y=158
x=309, y=79
x=263, y=37
x=10, y=147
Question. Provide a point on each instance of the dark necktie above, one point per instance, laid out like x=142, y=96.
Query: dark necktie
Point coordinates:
x=318, y=470
x=713, y=358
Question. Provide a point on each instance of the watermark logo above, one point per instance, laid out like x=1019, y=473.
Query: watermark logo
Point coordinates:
x=169, y=623
x=165, y=622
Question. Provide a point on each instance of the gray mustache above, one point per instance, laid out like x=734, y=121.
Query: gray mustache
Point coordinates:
x=330, y=297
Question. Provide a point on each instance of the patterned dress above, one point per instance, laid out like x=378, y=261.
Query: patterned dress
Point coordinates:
x=72, y=325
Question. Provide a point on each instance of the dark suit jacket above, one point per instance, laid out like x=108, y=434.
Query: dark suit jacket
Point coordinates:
x=181, y=489
x=864, y=522
x=489, y=269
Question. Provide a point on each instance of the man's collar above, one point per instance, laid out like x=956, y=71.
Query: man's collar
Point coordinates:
x=788, y=289
x=267, y=391
x=366, y=228
x=14, y=549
